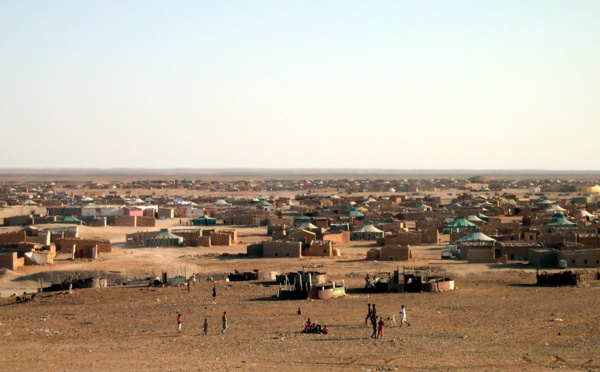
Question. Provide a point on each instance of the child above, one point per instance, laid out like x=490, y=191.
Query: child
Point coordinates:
x=178, y=322
x=205, y=326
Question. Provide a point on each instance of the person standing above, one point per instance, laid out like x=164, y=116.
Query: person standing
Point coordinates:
x=380, y=326
x=374, y=311
x=214, y=292
x=178, y=322
x=224, y=319
x=374, y=325
x=189, y=286
x=403, y=316
x=369, y=312
x=205, y=326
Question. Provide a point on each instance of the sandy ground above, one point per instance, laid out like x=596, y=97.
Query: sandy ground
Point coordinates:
x=495, y=320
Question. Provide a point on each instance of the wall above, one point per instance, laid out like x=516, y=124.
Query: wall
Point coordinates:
x=430, y=236
x=65, y=245
x=395, y=253
x=319, y=248
x=281, y=249
x=581, y=258
x=373, y=254
x=165, y=213
x=218, y=238
x=543, y=257
x=13, y=237
x=125, y=221
x=22, y=210
x=145, y=222
x=204, y=241
x=97, y=222
x=10, y=261
x=337, y=237
x=481, y=255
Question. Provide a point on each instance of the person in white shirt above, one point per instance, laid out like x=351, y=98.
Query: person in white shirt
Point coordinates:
x=403, y=317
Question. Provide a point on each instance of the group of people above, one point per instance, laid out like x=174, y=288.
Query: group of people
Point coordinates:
x=311, y=327
x=378, y=323
x=205, y=324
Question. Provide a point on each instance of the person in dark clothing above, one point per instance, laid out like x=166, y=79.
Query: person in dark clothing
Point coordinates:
x=374, y=324
x=374, y=311
x=214, y=293
x=368, y=314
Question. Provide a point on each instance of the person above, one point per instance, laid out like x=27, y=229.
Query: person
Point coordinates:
x=189, y=285
x=299, y=311
x=178, y=322
x=374, y=311
x=369, y=312
x=214, y=292
x=368, y=284
x=308, y=326
x=205, y=326
x=380, y=326
x=374, y=325
x=224, y=319
x=403, y=316
x=325, y=330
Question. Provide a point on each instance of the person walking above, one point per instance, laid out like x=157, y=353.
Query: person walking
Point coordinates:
x=178, y=322
x=205, y=327
x=374, y=311
x=214, y=292
x=380, y=326
x=224, y=319
x=403, y=316
x=369, y=312
x=374, y=325
x=189, y=286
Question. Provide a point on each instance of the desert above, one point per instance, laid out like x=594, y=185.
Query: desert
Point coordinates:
x=496, y=318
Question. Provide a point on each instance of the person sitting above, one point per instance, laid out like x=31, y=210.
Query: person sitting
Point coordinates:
x=317, y=328
x=325, y=330
x=308, y=326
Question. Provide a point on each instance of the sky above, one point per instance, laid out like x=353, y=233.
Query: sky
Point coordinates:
x=300, y=84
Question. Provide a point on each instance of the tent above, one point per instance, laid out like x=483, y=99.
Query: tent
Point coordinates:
x=554, y=208
x=473, y=218
x=164, y=239
x=559, y=219
x=460, y=224
x=482, y=216
x=367, y=232
x=70, y=220
x=306, y=225
x=476, y=236
x=354, y=213
x=204, y=221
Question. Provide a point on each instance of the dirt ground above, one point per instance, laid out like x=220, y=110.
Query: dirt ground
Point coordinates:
x=496, y=319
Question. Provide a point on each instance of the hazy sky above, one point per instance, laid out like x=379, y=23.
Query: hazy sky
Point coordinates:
x=300, y=84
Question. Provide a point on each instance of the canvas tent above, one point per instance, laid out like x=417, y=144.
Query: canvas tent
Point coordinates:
x=306, y=225
x=460, y=224
x=367, y=232
x=204, y=221
x=70, y=220
x=164, y=239
x=354, y=213
x=559, y=219
x=476, y=236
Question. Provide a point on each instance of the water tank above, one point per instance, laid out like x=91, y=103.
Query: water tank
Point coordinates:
x=562, y=264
